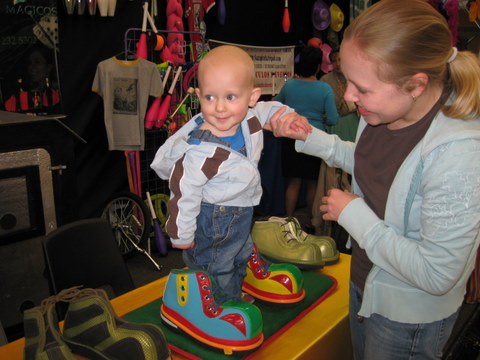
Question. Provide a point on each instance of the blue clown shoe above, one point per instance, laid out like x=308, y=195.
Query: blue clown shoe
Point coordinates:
x=189, y=305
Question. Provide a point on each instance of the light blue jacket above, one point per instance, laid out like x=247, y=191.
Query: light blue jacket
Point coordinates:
x=424, y=251
x=235, y=182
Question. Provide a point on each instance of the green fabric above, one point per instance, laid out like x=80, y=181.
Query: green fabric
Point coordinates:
x=274, y=317
x=346, y=127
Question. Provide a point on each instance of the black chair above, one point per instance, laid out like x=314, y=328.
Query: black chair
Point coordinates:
x=84, y=252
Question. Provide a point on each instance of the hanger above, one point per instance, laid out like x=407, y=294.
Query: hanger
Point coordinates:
x=126, y=55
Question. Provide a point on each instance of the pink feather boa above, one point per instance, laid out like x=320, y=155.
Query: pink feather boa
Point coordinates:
x=174, y=50
x=451, y=8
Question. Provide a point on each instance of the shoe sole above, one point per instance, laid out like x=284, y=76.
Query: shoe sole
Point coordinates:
x=91, y=353
x=292, y=299
x=85, y=351
x=332, y=260
x=228, y=347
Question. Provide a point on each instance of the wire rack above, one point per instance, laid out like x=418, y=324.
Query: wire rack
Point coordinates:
x=150, y=181
x=132, y=36
x=155, y=137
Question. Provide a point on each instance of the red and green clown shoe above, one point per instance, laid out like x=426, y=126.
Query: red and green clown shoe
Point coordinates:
x=189, y=305
x=275, y=283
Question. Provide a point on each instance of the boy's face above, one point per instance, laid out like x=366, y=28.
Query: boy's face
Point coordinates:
x=226, y=91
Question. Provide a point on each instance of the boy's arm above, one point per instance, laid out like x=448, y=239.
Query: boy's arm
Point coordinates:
x=266, y=110
x=172, y=149
x=186, y=188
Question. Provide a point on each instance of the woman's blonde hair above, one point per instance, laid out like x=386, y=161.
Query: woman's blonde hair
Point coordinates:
x=412, y=37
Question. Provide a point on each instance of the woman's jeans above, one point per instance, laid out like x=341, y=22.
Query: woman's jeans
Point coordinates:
x=377, y=338
x=222, y=247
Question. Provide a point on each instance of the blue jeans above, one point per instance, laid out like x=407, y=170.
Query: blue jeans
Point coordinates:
x=222, y=247
x=378, y=338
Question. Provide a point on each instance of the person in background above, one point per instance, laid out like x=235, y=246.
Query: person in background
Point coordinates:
x=347, y=124
x=346, y=129
x=414, y=211
x=211, y=164
x=36, y=89
x=316, y=101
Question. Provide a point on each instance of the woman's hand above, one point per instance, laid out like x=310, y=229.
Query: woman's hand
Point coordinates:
x=291, y=125
x=334, y=203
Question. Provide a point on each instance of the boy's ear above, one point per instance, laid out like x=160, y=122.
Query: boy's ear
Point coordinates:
x=254, y=96
x=197, y=92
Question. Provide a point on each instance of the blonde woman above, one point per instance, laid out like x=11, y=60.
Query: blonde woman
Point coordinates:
x=414, y=211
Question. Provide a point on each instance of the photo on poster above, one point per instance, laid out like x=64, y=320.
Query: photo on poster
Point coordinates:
x=28, y=57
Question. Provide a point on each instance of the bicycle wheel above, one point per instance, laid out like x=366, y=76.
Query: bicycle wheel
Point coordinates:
x=130, y=220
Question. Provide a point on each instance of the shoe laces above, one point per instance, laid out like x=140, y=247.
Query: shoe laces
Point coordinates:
x=288, y=234
x=259, y=264
x=73, y=293
x=64, y=295
x=295, y=228
x=46, y=304
x=212, y=293
x=67, y=295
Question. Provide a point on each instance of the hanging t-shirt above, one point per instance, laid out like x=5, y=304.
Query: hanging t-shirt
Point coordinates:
x=125, y=87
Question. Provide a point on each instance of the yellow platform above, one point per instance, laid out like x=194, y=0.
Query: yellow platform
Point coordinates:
x=321, y=335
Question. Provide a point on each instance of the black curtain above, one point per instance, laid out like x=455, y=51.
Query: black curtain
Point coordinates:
x=86, y=40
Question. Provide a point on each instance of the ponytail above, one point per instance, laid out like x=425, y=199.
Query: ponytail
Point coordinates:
x=464, y=81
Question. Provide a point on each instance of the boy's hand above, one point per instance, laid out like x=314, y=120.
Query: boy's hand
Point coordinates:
x=299, y=123
x=184, y=246
x=291, y=125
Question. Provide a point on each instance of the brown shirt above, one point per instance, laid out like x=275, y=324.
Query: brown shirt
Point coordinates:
x=379, y=154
